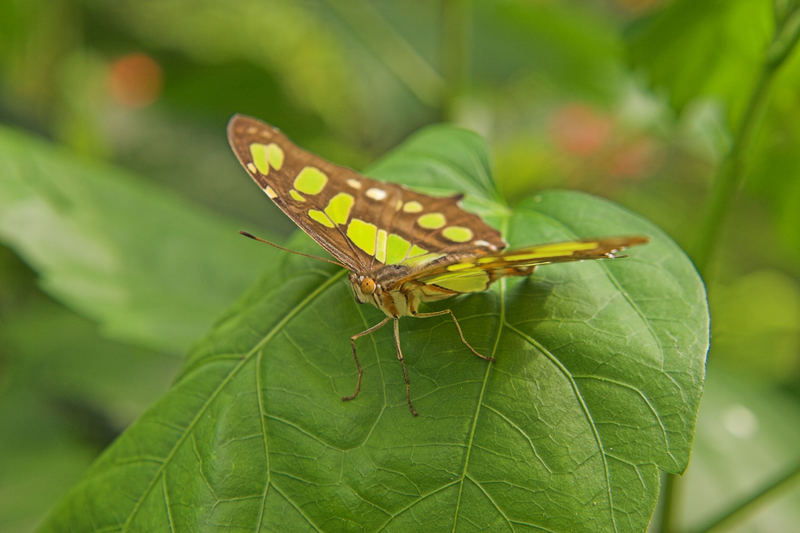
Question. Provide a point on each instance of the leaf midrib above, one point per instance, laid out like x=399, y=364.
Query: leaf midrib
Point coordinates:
x=479, y=403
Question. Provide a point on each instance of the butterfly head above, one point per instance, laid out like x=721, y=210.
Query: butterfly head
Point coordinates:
x=365, y=288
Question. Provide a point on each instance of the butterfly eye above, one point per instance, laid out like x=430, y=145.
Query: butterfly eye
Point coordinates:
x=367, y=285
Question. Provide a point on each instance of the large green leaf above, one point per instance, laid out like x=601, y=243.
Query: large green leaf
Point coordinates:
x=149, y=267
x=598, y=374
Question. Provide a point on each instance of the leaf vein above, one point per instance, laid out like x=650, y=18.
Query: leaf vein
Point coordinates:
x=170, y=520
x=262, y=415
x=479, y=403
x=646, y=401
x=491, y=500
x=637, y=310
x=521, y=432
x=296, y=508
x=227, y=379
x=584, y=407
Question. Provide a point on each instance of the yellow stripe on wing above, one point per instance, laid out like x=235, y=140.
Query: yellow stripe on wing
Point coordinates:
x=475, y=271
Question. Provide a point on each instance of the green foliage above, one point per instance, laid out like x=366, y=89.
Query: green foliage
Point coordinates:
x=570, y=42
x=759, y=313
x=143, y=263
x=556, y=88
x=679, y=50
x=753, y=83
x=749, y=425
x=596, y=385
x=65, y=392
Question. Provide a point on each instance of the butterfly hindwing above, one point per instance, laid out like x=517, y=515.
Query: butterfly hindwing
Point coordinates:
x=363, y=223
x=475, y=274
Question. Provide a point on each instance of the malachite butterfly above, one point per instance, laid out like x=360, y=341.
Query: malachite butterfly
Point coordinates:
x=401, y=247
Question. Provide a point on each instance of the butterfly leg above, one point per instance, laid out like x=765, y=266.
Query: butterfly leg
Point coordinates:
x=403, y=363
x=458, y=327
x=367, y=331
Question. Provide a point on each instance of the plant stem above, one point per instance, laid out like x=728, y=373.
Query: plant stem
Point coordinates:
x=727, y=181
x=731, y=171
x=751, y=501
x=669, y=504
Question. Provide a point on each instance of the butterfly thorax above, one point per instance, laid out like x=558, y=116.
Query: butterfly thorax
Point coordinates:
x=390, y=291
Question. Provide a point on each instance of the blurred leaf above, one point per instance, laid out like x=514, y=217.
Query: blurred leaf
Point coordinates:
x=774, y=162
x=37, y=37
x=679, y=48
x=72, y=363
x=41, y=459
x=147, y=266
x=746, y=434
x=64, y=394
x=287, y=39
x=568, y=45
x=598, y=376
x=379, y=35
x=758, y=314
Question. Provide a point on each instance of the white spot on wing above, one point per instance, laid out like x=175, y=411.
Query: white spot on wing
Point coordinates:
x=485, y=244
x=376, y=193
x=354, y=183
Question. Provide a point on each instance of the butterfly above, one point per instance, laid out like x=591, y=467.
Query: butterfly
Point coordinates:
x=401, y=247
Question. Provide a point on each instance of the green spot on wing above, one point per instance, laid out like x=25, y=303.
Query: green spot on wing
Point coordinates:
x=310, y=180
x=416, y=251
x=457, y=233
x=380, y=252
x=258, y=152
x=431, y=221
x=396, y=249
x=320, y=217
x=558, y=249
x=362, y=234
x=339, y=207
x=275, y=156
x=421, y=259
x=412, y=207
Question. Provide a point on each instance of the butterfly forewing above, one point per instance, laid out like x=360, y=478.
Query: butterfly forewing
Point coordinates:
x=365, y=224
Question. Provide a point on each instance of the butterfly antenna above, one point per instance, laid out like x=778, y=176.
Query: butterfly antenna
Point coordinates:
x=251, y=236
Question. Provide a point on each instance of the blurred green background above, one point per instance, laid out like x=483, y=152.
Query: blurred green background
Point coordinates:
x=639, y=101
